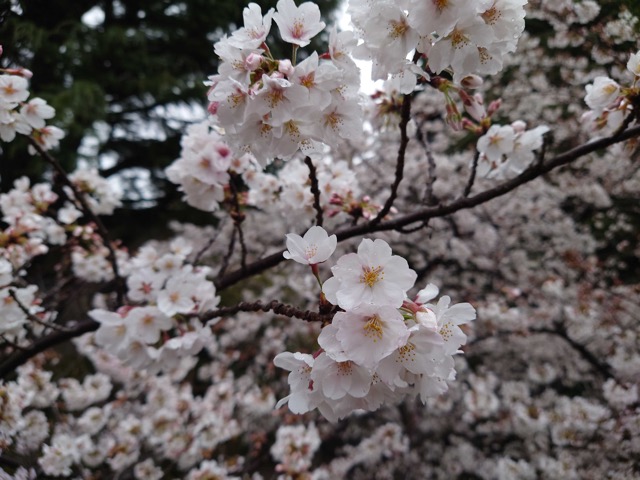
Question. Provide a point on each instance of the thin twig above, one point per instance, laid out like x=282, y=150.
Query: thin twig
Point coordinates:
x=31, y=316
x=206, y=247
x=273, y=306
x=238, y=217
x=84, y=205
x=405, y=116
x=472, y=176
x=431, y=162
x=426, y=213
x=314, y=190
x=227, y=257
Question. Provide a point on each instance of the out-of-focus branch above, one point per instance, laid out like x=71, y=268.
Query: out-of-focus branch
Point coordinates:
x=86, y=209
x=472, y=176
x=9, y=365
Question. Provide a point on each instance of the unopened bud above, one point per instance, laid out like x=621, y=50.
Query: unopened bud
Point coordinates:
x=21, y=72
x=494, y=106
x=471, y=82
x=253, y=61
x=213, y=108
x=472, y=106
x=285, y=67
x=519, y=126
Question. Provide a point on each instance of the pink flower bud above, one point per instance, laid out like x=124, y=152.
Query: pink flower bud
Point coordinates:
x=253, y=61
x=471, y=81
x=519, y=126
x=213, y=108
x=285, y=67
x=494, y=106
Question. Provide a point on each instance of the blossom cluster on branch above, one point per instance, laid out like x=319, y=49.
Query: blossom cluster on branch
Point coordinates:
x=509, y=203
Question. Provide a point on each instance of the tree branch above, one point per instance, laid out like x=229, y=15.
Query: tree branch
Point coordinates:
x=80, y=197
x=314, y=190
x=426, y=213
x=405, y=116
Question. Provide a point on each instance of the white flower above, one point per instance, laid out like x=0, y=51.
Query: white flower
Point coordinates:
x=112, y=333
x=255, y=30
x=13, y=89
x=176, y=297
x=147, y=322
x=300, y=399
x=449, y=321
x=315, y=247
x=298, y=25
x=337, y=379
x=36, y=111
x=370, y=333
x=373, y=275
x=498, y=141
x=601, y=94
x=633, y=65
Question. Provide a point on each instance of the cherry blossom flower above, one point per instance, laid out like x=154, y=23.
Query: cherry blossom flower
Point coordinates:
x=300, y=400
x=633, y=65
x=373, y=275
x=298, y=25
x=601, y=94
x=255, y=29
x=369, y=333
x=315, y=247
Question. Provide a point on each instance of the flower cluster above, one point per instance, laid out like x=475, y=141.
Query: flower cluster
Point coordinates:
x=17, y=115
x=452, y=34
x=506, y=150
x=275, y=107
x=381, y=346
x=611, y=103
x=155, y=331
x=202, y=171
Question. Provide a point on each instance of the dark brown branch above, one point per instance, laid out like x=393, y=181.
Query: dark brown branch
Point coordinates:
x=59, y=336
x=55, y=338
x=426, y=213
x=31, y=316
x=429, y=196
x=405, y=116
x=472, y=176
x=273, y=306
x=84, y=205
x=423, y=214
x=313, y=177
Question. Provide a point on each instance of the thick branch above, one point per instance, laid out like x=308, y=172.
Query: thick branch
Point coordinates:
x=59, y=336
x=426, y=213
x=55, y=338
x=273, y=306
x=423, y=214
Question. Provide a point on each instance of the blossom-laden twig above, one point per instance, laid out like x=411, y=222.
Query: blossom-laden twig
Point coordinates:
x=426, y=213
x=86, y=209
x=8, y=366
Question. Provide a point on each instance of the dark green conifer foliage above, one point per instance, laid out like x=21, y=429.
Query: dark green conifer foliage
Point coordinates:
x=121, y=80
